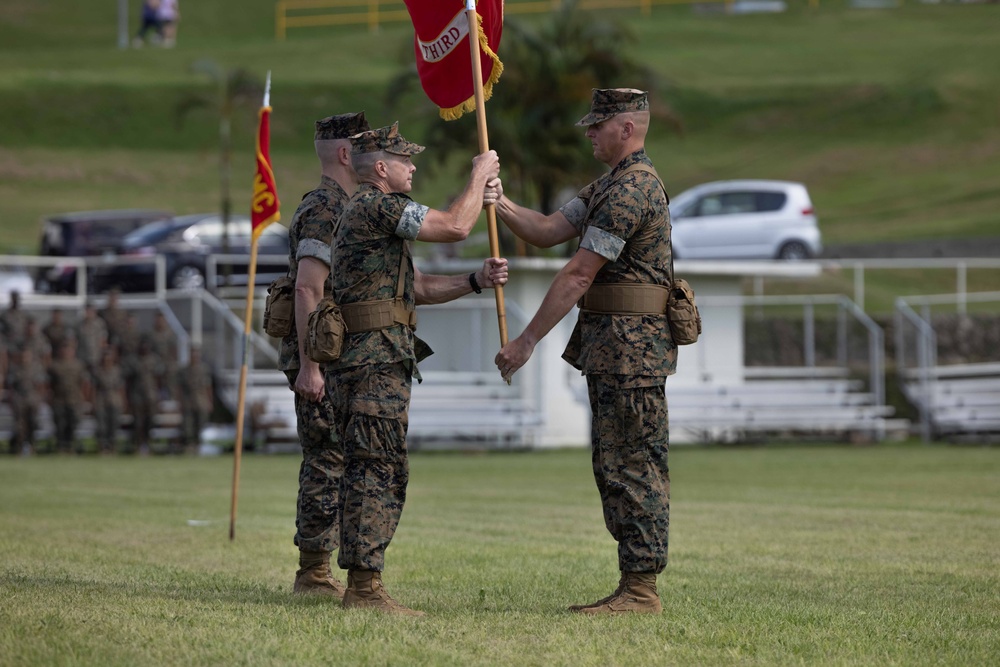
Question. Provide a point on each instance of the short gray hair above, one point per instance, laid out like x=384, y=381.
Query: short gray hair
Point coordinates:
x=364, y=163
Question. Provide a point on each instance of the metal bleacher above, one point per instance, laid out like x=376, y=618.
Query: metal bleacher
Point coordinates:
x=959, y=401
x=792, y=401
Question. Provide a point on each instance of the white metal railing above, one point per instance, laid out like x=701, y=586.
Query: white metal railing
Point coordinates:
x=961, y=267
x=844, y=308
x=920, y=359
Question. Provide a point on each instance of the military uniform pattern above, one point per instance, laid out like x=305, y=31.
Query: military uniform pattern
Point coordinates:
x=66, y=378
x=317, y=515
x=366, y=253
x=57, y=334
x=115, y=322
x=630, y=445
x=370, y=405
x=163, y=345
x=108, y=386
x=91, y=337
x=309, y=235
x=626, y=359
x=12, y=324
x=25, y=385
x=142, y=389
x=630, y=227
x=194, y=386
x=370, y=383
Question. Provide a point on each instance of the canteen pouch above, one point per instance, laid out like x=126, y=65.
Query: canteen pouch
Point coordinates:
x=279, y=307
x=327, y=330
x=682, y=313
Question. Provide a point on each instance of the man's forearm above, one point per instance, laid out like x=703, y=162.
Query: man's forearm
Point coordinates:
x=430, y=289
x=566, y=290
x=536, y=228
x=466, y=208
x=307, y=297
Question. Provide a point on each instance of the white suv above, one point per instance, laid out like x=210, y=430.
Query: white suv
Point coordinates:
x=750, y=219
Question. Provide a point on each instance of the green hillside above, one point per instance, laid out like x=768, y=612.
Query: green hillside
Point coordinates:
x=889, y=116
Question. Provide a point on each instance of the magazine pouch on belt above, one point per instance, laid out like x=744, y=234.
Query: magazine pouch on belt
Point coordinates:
x=279, y=307
x=682, y=313
x=327, y=330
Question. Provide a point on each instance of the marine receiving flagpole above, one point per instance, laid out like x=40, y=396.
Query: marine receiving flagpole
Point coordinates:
x=263, y=211
x=484, y=145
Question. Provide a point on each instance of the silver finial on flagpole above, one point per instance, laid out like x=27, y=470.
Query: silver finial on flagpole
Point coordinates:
x=267, y=90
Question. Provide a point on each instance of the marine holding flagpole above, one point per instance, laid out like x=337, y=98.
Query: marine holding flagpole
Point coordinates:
x=620, y=276
x=376, y=288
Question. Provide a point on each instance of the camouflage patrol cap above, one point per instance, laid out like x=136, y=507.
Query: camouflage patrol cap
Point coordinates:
x=609, y=102
x=341, y=127
x=386, y=139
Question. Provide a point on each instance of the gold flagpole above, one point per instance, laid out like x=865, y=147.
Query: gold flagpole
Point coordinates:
x=484, y=145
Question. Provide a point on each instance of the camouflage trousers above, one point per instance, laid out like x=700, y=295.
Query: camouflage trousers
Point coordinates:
x=193, y=418
x=65, y=416
x=107, y=415
x=630, y=441
x=142, y=421
x=370, y=409
x=317, y=509
x=25, y=423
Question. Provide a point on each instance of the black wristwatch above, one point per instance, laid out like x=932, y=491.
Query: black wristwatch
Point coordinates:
x=475, y=283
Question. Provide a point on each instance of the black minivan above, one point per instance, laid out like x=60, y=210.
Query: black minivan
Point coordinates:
x=85, y=234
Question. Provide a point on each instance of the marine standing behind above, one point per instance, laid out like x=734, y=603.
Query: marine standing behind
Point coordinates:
x=370, y=383
x=317, y=515
x=621, y=342
x=109, y=401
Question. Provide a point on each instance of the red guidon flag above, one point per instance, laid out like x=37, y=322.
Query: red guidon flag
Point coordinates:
x=444, y=60
x=264, y=207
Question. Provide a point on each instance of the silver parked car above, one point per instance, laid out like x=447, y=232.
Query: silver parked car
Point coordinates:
x=746, y=219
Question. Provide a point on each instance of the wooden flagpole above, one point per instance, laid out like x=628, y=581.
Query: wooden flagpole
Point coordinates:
x=247, y=322
x=240, y=404
x=484, y=145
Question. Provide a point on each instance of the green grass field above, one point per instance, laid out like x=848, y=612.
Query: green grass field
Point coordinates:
x=823, y=555
x=889, y=116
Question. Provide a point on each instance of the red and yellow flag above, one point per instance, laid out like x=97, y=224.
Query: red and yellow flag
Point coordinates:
x=265, y=205
x=443, y=55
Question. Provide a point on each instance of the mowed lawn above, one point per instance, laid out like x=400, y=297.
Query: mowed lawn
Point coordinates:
x=886, y=555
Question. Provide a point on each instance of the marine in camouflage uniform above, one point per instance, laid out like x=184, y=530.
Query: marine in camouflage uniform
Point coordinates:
x=109, y=392
x=24, y=387
x=114, y=319
x=370, y=382
x=163, y=344
x=57, y=331
x=317, y=515
x=142, y=390
x=625, y=352
x=12, y=322
x=194, y=388
x=91, y=338
x=67, y=383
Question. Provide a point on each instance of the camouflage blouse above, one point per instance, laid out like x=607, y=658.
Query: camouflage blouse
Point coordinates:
x=373, y=232
x=629, y=225
x=309, y=235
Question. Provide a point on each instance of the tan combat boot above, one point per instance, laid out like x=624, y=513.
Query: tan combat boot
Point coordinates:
x=637, y=595
x=604, y=600
x=314, y=575
x=365, y=591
